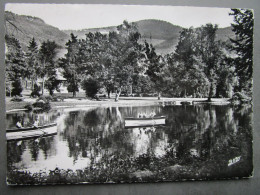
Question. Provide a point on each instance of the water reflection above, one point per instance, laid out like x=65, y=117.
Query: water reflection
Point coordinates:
x=196, y=142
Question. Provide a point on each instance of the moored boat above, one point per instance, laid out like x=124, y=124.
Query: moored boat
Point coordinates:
x=31, y=132
x=139, y=122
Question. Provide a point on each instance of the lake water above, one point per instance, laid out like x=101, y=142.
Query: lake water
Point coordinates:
x=92, y=145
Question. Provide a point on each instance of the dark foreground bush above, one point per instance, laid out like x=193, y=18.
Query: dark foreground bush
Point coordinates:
x=29, y=107
x=42, y=103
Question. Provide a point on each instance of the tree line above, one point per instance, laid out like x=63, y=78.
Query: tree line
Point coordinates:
x=200, y=66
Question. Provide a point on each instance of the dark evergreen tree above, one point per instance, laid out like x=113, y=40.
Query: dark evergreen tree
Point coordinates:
x=242, y=45
x=15, y=66
x=32, y=62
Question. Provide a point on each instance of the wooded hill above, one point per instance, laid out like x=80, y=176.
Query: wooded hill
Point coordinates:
x=24, y=28
x=163, y=35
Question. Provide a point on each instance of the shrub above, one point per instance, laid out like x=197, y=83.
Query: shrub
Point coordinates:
x=36, y=91
x=17, y=88
x=43, y=105
x=48, y=98
x=44, y=99
x=91, y=87
x=28, y=107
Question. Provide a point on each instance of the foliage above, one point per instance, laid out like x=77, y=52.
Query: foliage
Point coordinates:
x=111, y=60
x=36, y=91
x=42, y=104
x=200, y=66
x=29, y=107
x=240, y=98
x=47, y=98
x=15, y=66
x=209, y=51
x=47, y=54
x=155, y=64
x=52, y=83
x=185, y=70
x=142, y=84
x=70, y=65
x=91, y=86
x=192, y=67
x=16, y=87
x=32, y=62
x=242, y=45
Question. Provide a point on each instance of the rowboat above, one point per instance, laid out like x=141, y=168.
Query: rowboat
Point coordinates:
x=31, y=132
x=140, y=122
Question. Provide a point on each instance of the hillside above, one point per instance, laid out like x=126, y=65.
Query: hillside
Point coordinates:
x=225, y=33
x=29, y=27
x=163, y=35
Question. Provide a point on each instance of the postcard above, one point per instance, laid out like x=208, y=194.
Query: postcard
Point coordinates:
x=99, y=93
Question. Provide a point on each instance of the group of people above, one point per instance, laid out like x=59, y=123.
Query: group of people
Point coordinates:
x=146, y=115
x=35, y=124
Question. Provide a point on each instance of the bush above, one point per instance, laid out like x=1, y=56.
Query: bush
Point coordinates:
x=43, y=105
x=91, y=87
x=17, y=99
x=28, y=107
x=36, y=91
x=45, y=99
x=17, y=88
x=48, y=98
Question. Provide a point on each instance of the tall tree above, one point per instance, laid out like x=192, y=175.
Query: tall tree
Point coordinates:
x=126, y=54
x=209, y=50
x=47, y=54
x=242, y=45
x=69, y=65
x=15, y=66
x=185, y=70
x=155, y=65
x=32, y=62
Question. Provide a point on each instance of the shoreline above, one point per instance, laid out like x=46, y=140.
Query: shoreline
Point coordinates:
x=123, y=101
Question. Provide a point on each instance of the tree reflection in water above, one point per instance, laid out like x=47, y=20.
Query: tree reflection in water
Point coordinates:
x=197, y=142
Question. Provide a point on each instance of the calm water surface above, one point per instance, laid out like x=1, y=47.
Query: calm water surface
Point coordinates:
x=197, y=142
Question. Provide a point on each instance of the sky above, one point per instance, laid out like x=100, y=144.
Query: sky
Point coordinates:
x=82, y=16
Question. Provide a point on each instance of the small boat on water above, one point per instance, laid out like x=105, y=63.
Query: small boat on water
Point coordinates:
x=140, y=122
x=31, y=132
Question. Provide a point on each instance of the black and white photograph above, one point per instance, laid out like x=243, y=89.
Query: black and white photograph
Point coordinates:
x=102, y=93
